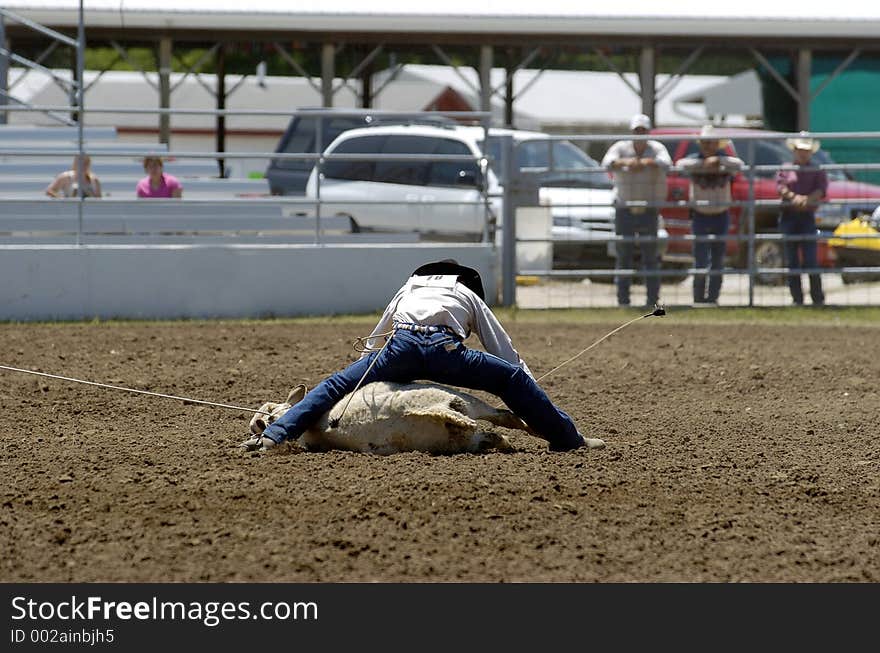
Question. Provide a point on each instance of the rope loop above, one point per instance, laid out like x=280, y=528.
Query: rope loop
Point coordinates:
x=360, y=343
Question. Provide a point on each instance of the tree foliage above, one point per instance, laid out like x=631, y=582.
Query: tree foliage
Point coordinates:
x=242, y=58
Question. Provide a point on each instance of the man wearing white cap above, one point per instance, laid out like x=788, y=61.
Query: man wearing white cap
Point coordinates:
x=801, y=188
x=639, y=168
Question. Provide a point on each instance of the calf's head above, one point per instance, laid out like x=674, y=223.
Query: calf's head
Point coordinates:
x=270, y=411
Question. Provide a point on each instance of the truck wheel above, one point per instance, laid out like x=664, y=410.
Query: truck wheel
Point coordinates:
x=768, y=254
x=679, y=275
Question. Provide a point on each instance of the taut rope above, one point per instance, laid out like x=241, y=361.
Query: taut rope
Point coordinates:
x=362, y=342
x=656, y=312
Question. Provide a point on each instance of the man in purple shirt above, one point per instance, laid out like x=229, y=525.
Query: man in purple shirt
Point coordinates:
x=801, y=188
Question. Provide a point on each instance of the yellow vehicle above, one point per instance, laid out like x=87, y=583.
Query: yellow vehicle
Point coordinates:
x=852, y=251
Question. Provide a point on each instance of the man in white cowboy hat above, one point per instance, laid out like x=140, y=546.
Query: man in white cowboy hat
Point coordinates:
x=639, y=168
x=801, y=188
x=711, y=171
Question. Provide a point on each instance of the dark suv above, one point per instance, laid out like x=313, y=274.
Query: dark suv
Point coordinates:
x=289, y=176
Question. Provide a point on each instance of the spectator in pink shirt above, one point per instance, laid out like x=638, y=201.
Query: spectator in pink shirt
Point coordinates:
x=158, y=184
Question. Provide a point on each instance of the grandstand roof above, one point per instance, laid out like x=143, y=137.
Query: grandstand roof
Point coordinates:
x=844, y=20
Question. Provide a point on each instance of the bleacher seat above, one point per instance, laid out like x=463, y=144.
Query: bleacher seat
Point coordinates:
x=48, y=167
x=163, y=222
x=22, y=187
x=59, y=133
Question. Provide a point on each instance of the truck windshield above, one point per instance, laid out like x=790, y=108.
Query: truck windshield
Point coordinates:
x=558, y=163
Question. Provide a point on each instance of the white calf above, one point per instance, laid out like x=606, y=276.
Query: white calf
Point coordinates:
x=385, y=418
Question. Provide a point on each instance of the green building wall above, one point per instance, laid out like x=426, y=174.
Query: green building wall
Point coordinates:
x=849, y=103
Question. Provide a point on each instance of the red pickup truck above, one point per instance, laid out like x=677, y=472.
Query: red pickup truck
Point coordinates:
x=846, y=198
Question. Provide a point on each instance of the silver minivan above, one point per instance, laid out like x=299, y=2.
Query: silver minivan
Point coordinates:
x=440, y=186
x=311, y=127
x=445, y=186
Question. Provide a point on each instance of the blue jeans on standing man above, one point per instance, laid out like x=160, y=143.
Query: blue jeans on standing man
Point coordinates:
x=629, y=222
x=443, y=358
x=709, y=255
x=801, y=253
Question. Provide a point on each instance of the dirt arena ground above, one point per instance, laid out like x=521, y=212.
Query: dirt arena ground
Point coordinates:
x=735, y=453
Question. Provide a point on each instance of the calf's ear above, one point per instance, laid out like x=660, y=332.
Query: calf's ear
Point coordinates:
x=296, y=395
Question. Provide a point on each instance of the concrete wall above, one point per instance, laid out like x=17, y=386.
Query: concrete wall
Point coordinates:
x=61, y=282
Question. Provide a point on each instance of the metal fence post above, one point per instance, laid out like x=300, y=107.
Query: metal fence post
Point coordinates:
x=319, y=169
x=508, y=224
x=750, y=217
x=80, y=118
x=4, y=71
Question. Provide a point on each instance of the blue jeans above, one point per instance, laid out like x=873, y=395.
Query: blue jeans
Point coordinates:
x=444, y=359
x=628, y=224
x=709, y=255
x=801, y=253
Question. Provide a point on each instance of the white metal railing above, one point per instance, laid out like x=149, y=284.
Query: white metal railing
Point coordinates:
x=752, y=239
x=312, y=207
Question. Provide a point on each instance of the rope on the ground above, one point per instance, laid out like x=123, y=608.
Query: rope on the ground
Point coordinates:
x=143, y=392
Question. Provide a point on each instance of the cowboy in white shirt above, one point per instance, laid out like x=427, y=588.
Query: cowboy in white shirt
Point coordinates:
x=426, y=324
x=711, y=170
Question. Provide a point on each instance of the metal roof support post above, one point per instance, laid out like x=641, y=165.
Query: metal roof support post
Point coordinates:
x=486, y=77
x=220, y=71
x=363, y=72
x=804, y=73
x=165, y=48
x=4, y=70
x=647, y=73
x=508, y=97
x=328, y=72
x=509, y=73
x=367, y=88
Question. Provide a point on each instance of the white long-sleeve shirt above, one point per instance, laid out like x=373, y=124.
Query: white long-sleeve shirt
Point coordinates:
x=440, y=300
x=646, y=184
x=710, y=187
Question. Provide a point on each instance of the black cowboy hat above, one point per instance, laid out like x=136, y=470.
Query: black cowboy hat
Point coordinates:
x=468, y=276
